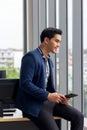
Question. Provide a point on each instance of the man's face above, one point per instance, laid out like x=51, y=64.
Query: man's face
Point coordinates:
x=54, y=43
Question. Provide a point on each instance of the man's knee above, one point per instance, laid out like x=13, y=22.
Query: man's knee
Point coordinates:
x=79, y=117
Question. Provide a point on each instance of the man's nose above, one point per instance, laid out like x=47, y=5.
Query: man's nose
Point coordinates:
x=58, y=44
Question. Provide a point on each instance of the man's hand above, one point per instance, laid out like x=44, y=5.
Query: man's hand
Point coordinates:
x=58, y=98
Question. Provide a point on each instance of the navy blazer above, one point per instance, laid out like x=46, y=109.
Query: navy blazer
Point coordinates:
x=32, y=91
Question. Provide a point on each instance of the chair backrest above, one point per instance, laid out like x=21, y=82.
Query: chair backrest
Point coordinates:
x=8, y=90
x=2, y=73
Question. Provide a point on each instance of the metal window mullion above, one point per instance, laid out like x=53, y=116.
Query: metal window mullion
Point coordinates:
x=63, y=52
x=77, y=53
x=25, y=24
x=52, y=14
x=47, y=13
x=29, y=25
x=35, y=23
x=42, y=15
x=63, y=56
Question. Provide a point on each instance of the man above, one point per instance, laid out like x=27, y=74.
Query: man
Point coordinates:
x=37, y=97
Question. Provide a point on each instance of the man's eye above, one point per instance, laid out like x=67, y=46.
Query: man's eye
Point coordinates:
x=58, y=41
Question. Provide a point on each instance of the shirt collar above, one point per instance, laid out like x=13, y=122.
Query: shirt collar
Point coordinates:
x=43, y=54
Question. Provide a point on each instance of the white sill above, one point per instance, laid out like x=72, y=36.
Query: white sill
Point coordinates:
x=85, y=122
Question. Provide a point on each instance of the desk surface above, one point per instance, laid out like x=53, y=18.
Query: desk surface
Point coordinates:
x=19, y=119
x=13, y=119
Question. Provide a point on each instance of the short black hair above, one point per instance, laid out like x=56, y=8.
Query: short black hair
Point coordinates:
x=49, y=32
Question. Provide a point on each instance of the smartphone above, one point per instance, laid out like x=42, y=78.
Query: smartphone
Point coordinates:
x=71, y=95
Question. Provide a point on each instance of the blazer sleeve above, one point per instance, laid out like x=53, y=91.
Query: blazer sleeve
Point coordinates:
x=28, y=68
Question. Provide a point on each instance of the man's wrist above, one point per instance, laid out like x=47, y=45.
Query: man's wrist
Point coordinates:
x=48, y=96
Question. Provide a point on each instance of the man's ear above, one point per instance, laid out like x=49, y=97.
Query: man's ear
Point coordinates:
x=46, y=40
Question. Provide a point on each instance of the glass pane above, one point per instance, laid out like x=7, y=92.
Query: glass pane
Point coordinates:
x=11, y=36
x=85, y=56
x=69, y=46
x=57, y=54
x=70, y=74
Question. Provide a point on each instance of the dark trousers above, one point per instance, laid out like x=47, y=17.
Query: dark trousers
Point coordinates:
x=45, y=120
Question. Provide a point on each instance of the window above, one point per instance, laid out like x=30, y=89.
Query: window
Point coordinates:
x=11, y=36
x=85, y=57
x=70, y=62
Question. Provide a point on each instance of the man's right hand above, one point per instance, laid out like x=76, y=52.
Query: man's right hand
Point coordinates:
x=57, y=97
